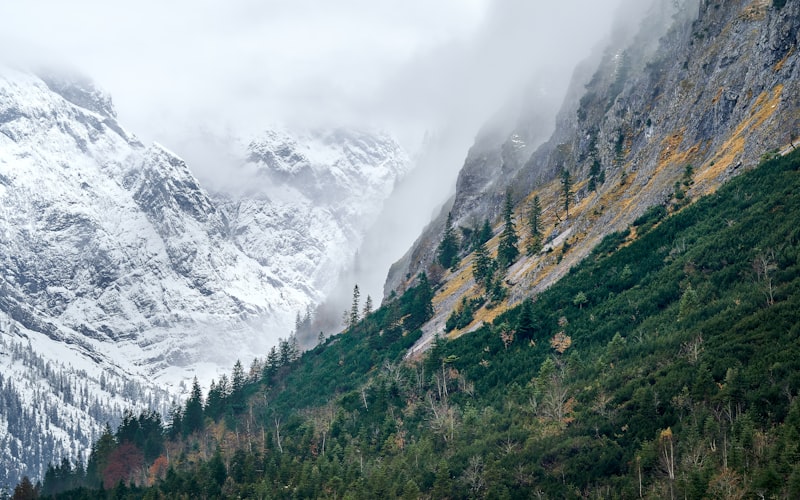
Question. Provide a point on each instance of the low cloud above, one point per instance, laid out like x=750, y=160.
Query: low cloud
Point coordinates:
x=198, y=77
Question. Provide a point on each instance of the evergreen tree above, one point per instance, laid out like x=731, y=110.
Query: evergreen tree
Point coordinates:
x=237, y=388
x=595, y=175
x=481, y=265
x=214, y=402
x=421, y=308
x=294, y=348
x=507, y=251
x=175, y=422
x=193, y=411
x=535, y=226
x=99, y=457
x=25, y=490
x=447, y=253
x=272, y=364
x=525, y=327
x=298, y=322
x=485, y=234
x=566, y=189
x=367, y=307
x=284, y=352
x=353, y=320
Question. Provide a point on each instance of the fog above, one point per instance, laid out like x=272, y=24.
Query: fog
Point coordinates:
x=198, y=76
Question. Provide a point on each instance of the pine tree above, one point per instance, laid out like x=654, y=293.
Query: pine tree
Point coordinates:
x=367, y=307
x=447, y=253
x=525, y=326
x=272, y=364
x=566, y=189
x=193, y=411
x=298, y=322
x=507, y=251
x=421, y=308
x=294, y=348
x=353, y=320
x=595, y=172
x=485, y=234
x=98, y=459
x=481, y=264
x=535, y=226
x=175, y=424
x=25, y=490
x=284, y=351
x=237, y=388
x=214, y=402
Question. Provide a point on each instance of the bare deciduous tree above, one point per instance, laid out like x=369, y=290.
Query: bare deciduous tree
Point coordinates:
x=763, y=265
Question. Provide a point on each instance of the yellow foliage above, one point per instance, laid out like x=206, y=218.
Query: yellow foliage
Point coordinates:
x=766, y=104
x=561, y=342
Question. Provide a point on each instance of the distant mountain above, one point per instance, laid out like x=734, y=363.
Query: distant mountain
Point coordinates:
x=116, y=264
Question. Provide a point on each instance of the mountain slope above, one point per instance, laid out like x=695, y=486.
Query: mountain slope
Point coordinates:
x=675, y=375
x=715, y=92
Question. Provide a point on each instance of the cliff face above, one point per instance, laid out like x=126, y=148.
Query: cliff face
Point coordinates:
x=712, y=85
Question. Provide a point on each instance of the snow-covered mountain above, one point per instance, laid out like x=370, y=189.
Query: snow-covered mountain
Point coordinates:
x=117, y=267
x=319, y=192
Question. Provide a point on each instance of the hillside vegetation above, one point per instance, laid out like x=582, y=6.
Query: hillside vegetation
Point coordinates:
x=665, y=365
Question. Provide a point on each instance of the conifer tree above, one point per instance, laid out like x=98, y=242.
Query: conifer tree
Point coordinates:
x=594, y=175
x=525, y=326
x=237, y=388
x=481, y=264
x=485, y=234
x=294, y=348
x=566, y=189
x=421, y=308
x=193, y=411
x=284, y=352
x=507, y=251
x=354, y=311
x=272, y=364
x=535, y=226
x=367, y=307
x=447, y=253
x=98, y=459
x=214, y=402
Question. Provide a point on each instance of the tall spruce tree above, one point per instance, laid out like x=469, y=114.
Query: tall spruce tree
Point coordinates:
x=193, y=412
x=535, y=226
x=447, y=253
x=367, y=307
x=481, y=264
x=566, y=189
x=525, y=326
x=507, y=251
x=354, y=309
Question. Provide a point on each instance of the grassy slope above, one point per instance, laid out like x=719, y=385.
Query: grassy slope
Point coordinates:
x=681, y=378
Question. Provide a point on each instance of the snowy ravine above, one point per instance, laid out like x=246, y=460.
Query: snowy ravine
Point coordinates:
x=121, y=276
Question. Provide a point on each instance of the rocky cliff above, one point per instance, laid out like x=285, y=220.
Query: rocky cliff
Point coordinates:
x=698, y=94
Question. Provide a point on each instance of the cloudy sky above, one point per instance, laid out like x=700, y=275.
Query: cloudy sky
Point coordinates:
x=196, y=74
x=243, y=64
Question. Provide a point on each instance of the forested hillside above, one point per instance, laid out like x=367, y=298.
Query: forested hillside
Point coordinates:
x=665, y=365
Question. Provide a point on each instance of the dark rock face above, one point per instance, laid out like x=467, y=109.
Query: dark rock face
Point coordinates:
x=713, y=85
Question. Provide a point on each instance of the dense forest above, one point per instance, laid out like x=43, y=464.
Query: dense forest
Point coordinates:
x=665, y=365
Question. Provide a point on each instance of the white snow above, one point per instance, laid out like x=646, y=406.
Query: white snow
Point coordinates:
x=116, y=265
